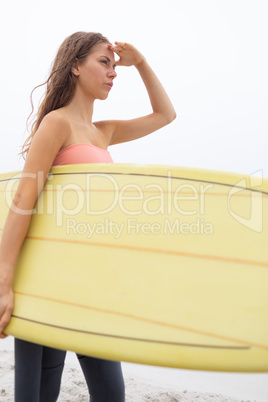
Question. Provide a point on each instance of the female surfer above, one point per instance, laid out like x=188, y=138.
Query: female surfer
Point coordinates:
x=64, y=133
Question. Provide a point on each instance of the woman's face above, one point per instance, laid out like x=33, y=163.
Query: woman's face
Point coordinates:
x=97, y=72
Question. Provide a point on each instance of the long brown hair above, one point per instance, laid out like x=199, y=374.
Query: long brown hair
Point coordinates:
x=61, y=81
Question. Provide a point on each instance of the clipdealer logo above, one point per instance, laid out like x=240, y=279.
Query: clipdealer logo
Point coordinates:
x=255, y=220
x=132, y=226
x=184, y=200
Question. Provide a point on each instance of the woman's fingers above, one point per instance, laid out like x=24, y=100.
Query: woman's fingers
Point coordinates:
x=119, y=47
x=121, y=44
x=128, y=54
x=5, y=318
x=3, y=323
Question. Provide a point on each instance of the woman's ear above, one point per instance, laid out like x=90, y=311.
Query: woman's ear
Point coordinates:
x=75, y=68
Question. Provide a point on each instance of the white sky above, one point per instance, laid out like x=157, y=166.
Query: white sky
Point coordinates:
x=211, y=56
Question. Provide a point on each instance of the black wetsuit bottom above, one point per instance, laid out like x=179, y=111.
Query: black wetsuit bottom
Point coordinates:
x=38, y=371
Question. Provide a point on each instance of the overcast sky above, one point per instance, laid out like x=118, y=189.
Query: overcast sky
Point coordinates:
x=211, y=56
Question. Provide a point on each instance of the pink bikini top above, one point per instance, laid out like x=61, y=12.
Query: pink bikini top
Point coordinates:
x=82, y=153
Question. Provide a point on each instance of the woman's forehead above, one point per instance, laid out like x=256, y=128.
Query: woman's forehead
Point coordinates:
x=102, y=49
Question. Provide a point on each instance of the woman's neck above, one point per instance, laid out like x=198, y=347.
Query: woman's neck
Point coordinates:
x=80, y=108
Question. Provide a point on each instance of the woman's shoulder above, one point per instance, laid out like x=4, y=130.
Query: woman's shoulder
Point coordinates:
x=55, y=117
x=54, y=128
x=57, y=124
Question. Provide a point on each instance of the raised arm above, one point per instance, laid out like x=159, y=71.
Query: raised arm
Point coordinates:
x=47, y=141
x=163, y=112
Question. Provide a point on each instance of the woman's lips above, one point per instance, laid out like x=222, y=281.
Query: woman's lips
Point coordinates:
x=109, y=84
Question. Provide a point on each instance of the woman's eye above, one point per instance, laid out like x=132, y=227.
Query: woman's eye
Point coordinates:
x=104, y=62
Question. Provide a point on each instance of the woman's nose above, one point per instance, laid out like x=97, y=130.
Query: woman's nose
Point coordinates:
x=112, y=74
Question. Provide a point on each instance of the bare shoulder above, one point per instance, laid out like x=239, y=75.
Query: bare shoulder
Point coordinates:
x=55, y=128
x=56, y=120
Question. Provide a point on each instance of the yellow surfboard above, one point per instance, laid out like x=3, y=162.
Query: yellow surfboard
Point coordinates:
x=149, y=264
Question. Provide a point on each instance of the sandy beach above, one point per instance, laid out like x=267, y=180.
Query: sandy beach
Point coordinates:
x=146, y=383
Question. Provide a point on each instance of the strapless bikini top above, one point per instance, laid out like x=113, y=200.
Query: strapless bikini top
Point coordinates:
x=82, y=153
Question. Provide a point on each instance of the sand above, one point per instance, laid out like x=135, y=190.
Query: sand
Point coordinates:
x=146, y=383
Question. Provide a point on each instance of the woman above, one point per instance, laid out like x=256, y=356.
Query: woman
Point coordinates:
x=63, y=133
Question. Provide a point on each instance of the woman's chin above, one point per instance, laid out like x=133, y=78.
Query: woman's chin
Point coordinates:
x=103, y=96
